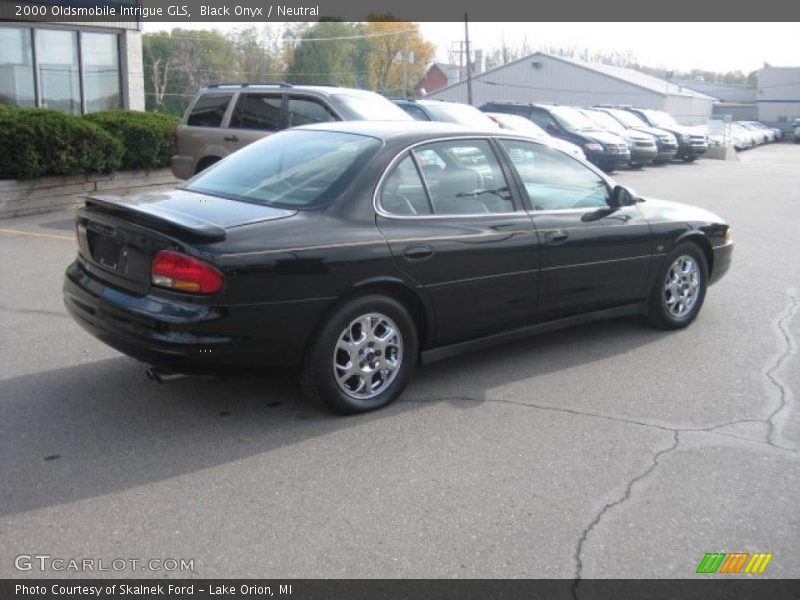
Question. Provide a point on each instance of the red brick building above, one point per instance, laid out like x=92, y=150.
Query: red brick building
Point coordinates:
x=439, y=75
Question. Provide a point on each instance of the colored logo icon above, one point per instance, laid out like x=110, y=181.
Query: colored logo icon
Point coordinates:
x=734, y=562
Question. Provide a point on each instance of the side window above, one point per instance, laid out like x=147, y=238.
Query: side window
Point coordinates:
x=304, y=111
x=415, y=111
x=403, y=192
x=257, y=111
x=542, y=119
x=209, y=110
x=553, y=180
x=464, y=178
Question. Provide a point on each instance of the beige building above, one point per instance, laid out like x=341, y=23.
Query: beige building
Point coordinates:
x=74, y=67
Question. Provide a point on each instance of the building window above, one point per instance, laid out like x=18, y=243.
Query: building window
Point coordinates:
x=58, y=70
x=100, y=71
x=74, y=72
x=16, y=67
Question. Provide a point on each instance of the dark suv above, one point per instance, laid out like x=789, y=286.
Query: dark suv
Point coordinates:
x=691, y=143
x=666, y=144
x=226, y=117
x=604, y=149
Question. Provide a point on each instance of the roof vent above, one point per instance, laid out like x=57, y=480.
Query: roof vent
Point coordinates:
x=536, y=64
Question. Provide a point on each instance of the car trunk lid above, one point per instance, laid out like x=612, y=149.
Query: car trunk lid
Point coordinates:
x=118, y=237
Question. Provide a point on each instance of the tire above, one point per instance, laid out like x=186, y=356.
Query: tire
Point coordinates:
x=685, y=264
x=347, y=365
x=689, y=159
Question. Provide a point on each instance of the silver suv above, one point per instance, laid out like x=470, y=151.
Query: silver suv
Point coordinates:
x=226, y=117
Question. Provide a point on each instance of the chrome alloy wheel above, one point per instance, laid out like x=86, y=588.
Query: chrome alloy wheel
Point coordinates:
x=682, y=286
x=368, y=356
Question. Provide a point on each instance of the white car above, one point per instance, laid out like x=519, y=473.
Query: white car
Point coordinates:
x=528, y=127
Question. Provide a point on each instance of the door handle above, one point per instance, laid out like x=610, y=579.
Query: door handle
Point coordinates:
x=556, y=237
x=231, y=138
x=418, y=252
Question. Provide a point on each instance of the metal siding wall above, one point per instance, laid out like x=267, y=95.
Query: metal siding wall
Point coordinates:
x=555, y=81
x=689, y=110
x=778, y=94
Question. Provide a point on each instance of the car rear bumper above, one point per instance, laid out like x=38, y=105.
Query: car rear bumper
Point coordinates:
x=182, y=166
x=723, y=256
x=187, y=336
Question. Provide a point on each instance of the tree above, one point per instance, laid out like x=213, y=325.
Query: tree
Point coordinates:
x=398, y=55
x=325, y=53
x=158, y=67
x=259, y=54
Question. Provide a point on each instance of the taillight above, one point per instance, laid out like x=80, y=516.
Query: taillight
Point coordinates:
x=183, y=273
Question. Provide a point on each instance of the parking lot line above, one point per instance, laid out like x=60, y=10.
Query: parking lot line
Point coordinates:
x=33, y=234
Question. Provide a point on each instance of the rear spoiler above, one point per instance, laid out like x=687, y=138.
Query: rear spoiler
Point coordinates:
x=158, y=218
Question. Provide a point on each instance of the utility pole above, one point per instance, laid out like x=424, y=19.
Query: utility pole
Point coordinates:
x=469, y=70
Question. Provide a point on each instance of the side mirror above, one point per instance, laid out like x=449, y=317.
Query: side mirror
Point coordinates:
x=622, y=196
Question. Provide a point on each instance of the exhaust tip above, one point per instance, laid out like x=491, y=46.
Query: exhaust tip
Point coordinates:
x=153, y=374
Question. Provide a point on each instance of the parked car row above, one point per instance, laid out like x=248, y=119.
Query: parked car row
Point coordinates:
x=226, y=117
x=742, y=135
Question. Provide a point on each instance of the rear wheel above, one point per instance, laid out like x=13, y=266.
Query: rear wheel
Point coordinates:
x=362, y=357
x=680, y=288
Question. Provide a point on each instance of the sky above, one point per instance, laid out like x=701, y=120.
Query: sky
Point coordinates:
x=671, y=46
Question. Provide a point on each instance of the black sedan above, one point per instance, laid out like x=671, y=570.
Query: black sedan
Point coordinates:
x=357, y=250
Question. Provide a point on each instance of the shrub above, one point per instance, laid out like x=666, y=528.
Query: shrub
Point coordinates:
x=148, y=138
x=38, y=141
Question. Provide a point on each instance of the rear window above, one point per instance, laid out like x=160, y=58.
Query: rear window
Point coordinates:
x=369, y=107
x=291, y=169
x=209, y=110
x=257, y=111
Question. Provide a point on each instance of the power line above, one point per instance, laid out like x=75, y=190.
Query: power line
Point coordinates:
x=208, y=34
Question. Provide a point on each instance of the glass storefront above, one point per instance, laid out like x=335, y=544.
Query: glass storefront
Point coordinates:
x=77, y=72
x=16, y=67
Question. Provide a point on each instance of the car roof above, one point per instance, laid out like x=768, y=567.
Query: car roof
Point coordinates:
x=280, y=86
x=392, y=130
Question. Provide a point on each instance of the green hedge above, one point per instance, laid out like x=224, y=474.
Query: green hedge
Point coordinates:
x=147, y=137
x=37, y=141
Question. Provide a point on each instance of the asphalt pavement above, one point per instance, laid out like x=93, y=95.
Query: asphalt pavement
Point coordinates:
x=609, y=450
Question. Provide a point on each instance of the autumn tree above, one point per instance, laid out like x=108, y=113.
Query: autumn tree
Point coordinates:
x=398, y=54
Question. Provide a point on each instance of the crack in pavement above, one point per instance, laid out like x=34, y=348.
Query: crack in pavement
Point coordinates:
x=785, y=398
x=784, y=391
x=33, y=311
x=625, y=496
x=571, y=411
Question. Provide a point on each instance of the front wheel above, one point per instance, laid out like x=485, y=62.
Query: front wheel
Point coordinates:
x=362, y=357
x=680, y=288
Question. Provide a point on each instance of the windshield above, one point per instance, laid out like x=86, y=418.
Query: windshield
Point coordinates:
x=292, y=169
x=626, y=118
x=572, y=119
x=605, y=121
x=659, y=118
x=465, y=114
x=370, y=107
